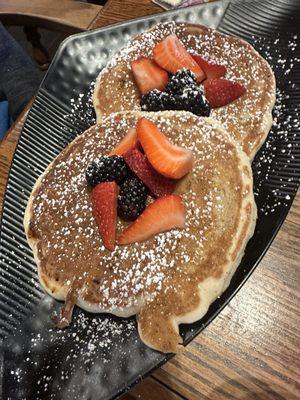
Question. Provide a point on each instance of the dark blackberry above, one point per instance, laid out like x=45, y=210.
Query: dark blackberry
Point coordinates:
x=106, y=169
x=152, y=101
x=132, y=198
x=192, y=99
x=168, y=101
x=182, y=79
x=157, y=101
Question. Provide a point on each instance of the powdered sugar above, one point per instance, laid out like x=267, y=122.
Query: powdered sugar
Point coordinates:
x=160, y=261
x=273, y=166
x=120, y=279
x=88, y=339
x=244, y=118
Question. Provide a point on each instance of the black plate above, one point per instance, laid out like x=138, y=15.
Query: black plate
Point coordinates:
x=100, y=357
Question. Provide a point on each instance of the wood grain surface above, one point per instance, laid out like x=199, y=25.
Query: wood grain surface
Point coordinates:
x=251, y=350
x=66, y=15
x=117, y=11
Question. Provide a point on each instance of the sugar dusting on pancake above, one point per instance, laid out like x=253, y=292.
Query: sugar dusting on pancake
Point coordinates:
x=160, y=276
x=247, y=119
x=104, y=332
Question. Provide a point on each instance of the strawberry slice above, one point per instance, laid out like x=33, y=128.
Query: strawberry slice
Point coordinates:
x=163, y=214
x=148, y=75
x=220, y=92
x=156, y=183
x=104, y=203
x=171, y=55
x=211, y=69
x=129, y=141
x=169, y=160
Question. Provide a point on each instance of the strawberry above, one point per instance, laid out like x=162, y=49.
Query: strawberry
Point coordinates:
x=148, y=75
x=163, y=214
x=220, y=92
x=156, y=183
x=104, y=203
x=171, y=55
x=210, y=68
x=129, y=141
x=169, y=160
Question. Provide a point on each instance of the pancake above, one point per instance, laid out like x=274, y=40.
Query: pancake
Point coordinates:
x=169, y=279
x=248, y=119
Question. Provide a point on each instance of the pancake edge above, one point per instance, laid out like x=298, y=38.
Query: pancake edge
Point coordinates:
x=211, y=288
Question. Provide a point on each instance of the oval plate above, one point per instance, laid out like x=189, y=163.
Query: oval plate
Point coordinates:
x=99, y=356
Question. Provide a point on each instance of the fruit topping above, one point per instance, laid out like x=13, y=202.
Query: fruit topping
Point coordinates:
x=157, y=101
x=220, y=92
x=129, y=141
x=156, y=183
x=171, y=55
x=182, y=79
x=211, y=69
x=182, y=93
x=132, y=198
x=106, y=169
x=192, y=99
x=148, y=75
x=163, y=214
x=168, y=159
x=152, y=101
x=104, y=203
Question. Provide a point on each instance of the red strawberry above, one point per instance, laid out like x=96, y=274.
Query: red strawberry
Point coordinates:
x=129, y=141
x=163, y=214
x=156, y=183
x=171, y=55
x=104, y=202
x=220, y=92
x=210, y=68
x=169, y=160
x=148, y=75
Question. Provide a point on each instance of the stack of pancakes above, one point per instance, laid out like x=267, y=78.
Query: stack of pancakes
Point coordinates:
x=175, y=276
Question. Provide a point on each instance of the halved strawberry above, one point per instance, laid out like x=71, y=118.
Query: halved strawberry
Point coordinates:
x=163, y=214
x=210, y=68
x=129, y=141
x=220, y=92
x=157, y=184
x=171, y=55
x=148, y=75
x=104, y=202
x=169, y=160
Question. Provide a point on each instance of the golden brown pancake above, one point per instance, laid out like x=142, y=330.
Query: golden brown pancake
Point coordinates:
x=248, y=119
x=173, y=277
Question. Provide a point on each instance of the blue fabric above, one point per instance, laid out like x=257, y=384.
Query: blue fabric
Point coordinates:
x=4, y=118
x=18, y=75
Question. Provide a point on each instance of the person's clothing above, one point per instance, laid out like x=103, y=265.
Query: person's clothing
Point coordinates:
x=19, y=78
x=4, y=118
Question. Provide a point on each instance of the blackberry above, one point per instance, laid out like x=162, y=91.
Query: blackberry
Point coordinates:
x=192, y=99
x=182, y=79
x=152, y=101
x=107, y=169
x=168, y=101
x=157, y=101
x=182, y=93
x=132, y=198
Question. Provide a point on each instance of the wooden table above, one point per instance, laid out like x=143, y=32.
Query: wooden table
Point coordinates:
x=251, y=350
